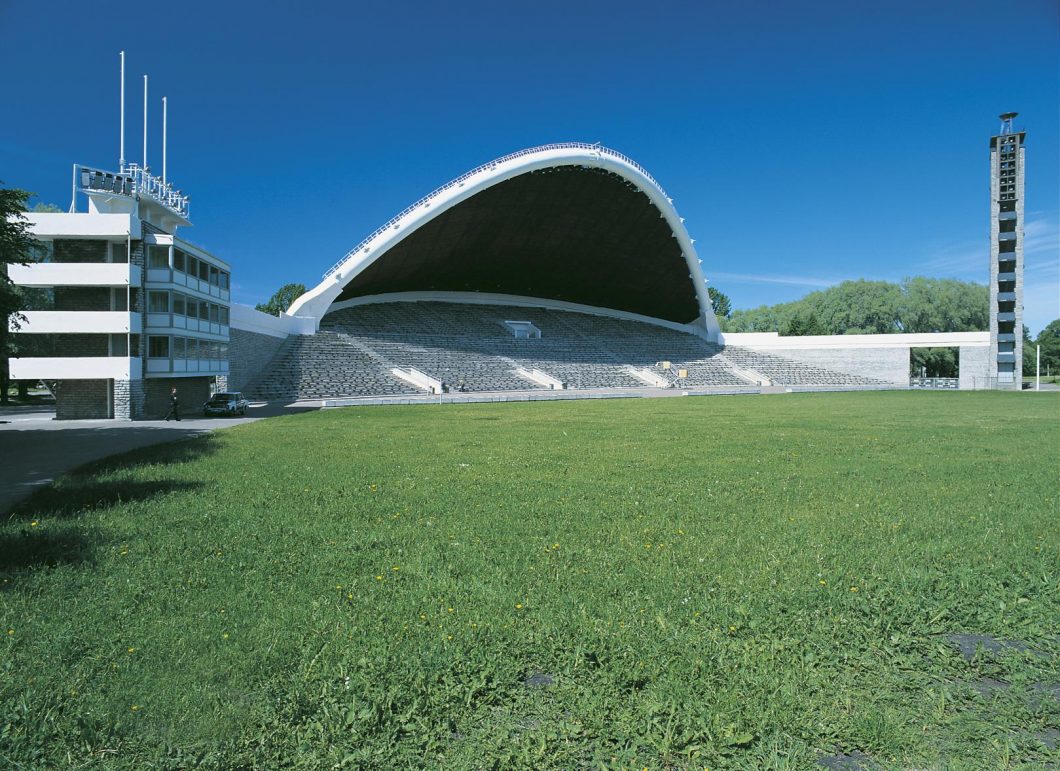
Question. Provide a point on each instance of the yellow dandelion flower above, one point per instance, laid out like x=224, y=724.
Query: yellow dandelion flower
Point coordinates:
x=396, y=567
x=135, y=707
x=378, y=578
x=518, y=606
x=224, y=636
x=423, y=616
x=10, y=631
x=33, y=523
x=132, y=650
x=853, y=588
x=822, y=582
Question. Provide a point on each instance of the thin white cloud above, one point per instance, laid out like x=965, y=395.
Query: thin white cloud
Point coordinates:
x=746, y=278
x=970, y=259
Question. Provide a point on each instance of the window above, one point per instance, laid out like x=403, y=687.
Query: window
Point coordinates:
x=191, y=308
x=224, y=351
x=179, y=348
x=158, y=347
x=158, y=302
x=214, y=276
x=204, y=271
x=178, y=304
x=178, y=260
x=204, y=311
x=224, y=280
x=224, y=316
x=215, y=315
x=157, y=256
x=192, y=266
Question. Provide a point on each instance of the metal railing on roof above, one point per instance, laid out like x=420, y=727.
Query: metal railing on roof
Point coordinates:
x=596, y=148
x=132, y=181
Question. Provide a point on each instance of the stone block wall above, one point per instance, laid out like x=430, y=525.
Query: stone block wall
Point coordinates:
x=888, y=364
x=248, y=355
x=974, y=370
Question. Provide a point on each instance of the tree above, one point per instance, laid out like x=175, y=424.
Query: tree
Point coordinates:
x=804, y=322
x=282, y=299
x=937, y=362
x=874, y=307
x=16, y=248
x=1049, y=340
x=721, y=303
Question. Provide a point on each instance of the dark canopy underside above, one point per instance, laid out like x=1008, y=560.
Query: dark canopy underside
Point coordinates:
x=567, y=233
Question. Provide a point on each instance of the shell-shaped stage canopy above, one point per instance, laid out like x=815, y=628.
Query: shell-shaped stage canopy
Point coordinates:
x=570, y=224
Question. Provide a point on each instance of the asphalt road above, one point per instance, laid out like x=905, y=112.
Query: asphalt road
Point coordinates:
x=35, y=448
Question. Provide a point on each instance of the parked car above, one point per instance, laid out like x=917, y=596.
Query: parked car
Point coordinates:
x=225, y=403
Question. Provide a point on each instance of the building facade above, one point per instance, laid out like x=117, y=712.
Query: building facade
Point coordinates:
x=1006, y=254
x=126, y=309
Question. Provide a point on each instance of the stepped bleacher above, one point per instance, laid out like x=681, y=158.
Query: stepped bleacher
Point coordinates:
x=470, y=349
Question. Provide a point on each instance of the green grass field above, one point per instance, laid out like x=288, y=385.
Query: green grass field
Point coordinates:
x=722, y=582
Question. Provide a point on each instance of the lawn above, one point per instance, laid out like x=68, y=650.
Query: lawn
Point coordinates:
x=733, y=582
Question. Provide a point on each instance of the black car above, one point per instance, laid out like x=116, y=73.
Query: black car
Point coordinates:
x=225, y=403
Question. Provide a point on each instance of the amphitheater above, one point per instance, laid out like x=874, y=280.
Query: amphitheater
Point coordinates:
x=556, y=272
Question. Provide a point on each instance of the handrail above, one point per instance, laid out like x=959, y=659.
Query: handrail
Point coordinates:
x=596, y=147
x=130, y=181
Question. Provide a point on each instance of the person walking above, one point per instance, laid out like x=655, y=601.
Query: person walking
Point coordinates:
x=174, y=406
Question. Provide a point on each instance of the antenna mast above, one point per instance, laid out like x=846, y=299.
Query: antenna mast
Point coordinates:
x=164, y=111
x=121, y=152
x=145, y=123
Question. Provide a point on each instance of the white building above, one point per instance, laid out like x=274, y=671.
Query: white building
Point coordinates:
x=134, y=310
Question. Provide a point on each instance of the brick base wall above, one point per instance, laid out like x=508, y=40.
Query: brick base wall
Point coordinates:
x=191, y=392
x=82, y=399
x=248, y=354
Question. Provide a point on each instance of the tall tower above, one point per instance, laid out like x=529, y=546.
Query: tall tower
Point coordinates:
x=1006, y=254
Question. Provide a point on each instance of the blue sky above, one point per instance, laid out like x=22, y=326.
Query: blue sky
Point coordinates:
x=804, y=143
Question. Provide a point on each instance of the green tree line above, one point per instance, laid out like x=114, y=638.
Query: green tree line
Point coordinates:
x=873, y=307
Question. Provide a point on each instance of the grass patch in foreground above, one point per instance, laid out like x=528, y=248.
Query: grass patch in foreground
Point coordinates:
x=733, y=581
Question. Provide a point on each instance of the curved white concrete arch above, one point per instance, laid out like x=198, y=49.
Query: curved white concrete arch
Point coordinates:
x=317, y=300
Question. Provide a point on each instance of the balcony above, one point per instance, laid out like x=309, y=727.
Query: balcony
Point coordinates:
x=1006, y=276
x=187, y=366
x=80, y=322
x=1006, y=356
x=1006, y=237
x=1006, y=337
x=165, y=322
x=48, y=274
x=181, y=279
x=77, y=368
x=1008, y=316
x=1005, y=216
x=1003, y=297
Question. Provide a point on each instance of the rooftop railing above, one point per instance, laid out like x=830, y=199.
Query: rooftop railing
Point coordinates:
x=132, y=181
x=597, y=148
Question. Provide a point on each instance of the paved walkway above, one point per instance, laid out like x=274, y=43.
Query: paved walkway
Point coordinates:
x=35, y=448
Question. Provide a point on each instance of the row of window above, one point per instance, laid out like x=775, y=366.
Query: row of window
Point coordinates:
x=165, y=347
x=158, y=257
x=158, y=301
